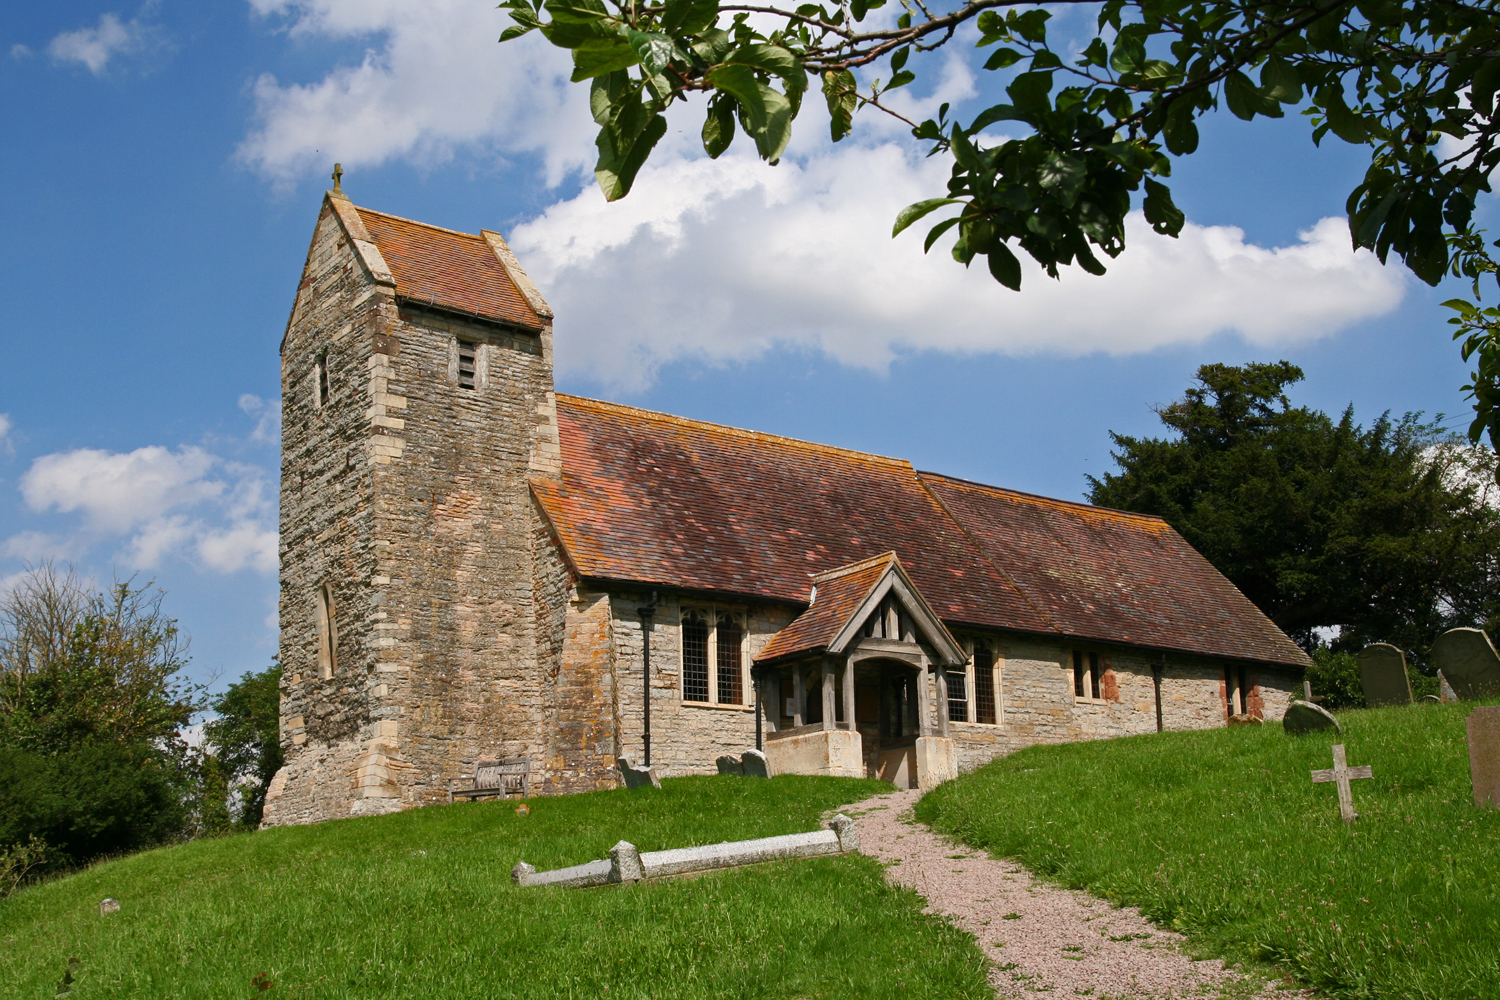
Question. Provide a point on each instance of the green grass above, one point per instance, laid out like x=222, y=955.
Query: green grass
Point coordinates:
x=1223, y=835
x=420, y=904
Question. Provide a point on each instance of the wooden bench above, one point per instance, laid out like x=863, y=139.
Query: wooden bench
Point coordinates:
x=495, y=777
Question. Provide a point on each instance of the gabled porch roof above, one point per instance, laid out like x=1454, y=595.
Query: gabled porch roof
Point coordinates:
x=844, y=599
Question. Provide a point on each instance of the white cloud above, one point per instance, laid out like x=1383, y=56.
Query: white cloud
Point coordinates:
x=267, y=414
x=95, y=47
x=722, y=260
x=434, y=81
x=6, y=445
x=160, y=503
x=19, y=51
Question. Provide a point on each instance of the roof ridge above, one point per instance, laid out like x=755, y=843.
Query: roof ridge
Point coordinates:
x=741, y=431
x=424, y=225
x=849, y=569
x=959, y=481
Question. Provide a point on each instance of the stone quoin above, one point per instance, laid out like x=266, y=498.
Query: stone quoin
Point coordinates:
x=466, y=555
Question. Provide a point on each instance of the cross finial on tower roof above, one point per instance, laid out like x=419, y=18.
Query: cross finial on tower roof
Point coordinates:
x=338, y=175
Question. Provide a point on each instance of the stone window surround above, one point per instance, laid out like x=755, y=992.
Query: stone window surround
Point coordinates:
x=322, y=386
x=997, y=676
x=326, y=618
x=483, y=352
x=712, y=613
x=1092, y=657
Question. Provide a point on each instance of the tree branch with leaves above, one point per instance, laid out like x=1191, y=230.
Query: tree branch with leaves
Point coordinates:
x=1098, y=130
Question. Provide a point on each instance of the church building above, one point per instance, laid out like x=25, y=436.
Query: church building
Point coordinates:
x=474, y=566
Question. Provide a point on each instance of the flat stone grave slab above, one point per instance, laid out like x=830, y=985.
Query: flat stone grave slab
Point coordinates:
x=1469, y=663
x=1483, y=725
x=1382, y=673
x=1305, y=717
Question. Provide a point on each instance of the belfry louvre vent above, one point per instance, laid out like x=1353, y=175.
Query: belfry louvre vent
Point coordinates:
x=466, y=352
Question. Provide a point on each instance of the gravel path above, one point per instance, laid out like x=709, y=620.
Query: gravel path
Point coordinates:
x=1040, y=937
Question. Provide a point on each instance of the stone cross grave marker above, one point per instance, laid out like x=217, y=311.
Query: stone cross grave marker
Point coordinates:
x=1483, y=725
x=1468, y=662
x=1342, y=773
x=1382, y=673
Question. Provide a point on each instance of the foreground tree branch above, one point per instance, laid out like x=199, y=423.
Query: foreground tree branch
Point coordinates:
x=1099, y=128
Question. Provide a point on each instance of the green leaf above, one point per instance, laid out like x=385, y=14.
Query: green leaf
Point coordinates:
x=713, y=45
x=604, y=92
x=620, y=157
x=901, y=79
x=1482, y=88
x=998, y=113
x=964, y=151
x=1032, y=25
x=1062, y=174
x=1280, y=81
x=1165, y=217
x=1096, y=54
x=838, y=90
x=767, y=114
x=1181, y=132
x=602, y=55
x=899, y=58
x=1002, y=58
x=575, y=11
x=1004, y=267
x=911, y=213
x=1245, y=101
x=937, y=231
x=570, y=35
x=771, y=58
x=1345, y=124
x=1030, y=91
x=718, y=127
x=688, y=17
x=656, y=51
x=1129, y=53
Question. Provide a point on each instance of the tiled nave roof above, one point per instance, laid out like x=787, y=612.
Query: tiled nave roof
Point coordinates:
x=665, y=501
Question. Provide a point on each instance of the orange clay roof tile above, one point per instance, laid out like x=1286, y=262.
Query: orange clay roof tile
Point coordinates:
x=1112, y=576
x=838, y=597
x=447, y=269
x=656, y=499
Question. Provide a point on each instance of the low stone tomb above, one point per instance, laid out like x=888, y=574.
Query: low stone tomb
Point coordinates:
x=1468, y=662
x=1483, y=725
x=637, y=777
x=1305, y=717
x=1383, y=675
x=626, y=864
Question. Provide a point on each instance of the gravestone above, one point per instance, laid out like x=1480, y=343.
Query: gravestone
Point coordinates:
x=755, y=764
x=1305, y=717
x=107, y=906
x=729, y=764
x=1484, y=755
x=637, y=777
x=1469, y=662
x=1382, y=673
x=1445, y=690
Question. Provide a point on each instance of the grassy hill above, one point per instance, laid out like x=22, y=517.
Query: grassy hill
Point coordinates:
x=1222, y=834
x=420, y=904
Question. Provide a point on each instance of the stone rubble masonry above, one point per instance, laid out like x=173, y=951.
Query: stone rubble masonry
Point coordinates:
x=460, y=631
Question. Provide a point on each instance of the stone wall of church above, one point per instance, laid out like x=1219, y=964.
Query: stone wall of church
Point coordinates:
x=686, y=738
x=408, y=496
x=327, y=533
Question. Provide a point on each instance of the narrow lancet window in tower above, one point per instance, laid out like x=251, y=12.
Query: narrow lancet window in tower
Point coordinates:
x=328, y=638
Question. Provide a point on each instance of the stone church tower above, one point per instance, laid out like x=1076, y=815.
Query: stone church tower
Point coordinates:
x=417, y=579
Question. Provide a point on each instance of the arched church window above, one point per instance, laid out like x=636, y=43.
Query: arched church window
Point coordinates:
x=727, y=642
x=328, y=638
x=694, y=655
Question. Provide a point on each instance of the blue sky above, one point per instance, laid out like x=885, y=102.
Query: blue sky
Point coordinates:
x=162, y=174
